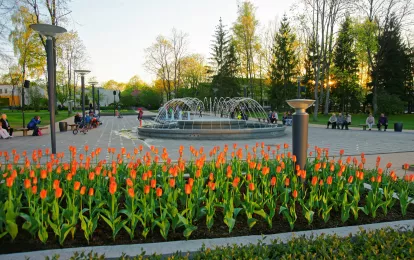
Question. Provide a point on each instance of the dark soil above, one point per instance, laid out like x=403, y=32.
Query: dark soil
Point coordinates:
x=102, y=236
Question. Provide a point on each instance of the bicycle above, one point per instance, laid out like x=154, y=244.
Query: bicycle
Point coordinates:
x=81, y=127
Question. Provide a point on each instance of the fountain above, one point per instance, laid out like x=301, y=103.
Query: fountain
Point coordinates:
x=221, y=118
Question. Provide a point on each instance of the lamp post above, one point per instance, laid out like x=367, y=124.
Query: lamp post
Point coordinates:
x=99, y=104
x=114, y=92
x=299, y=78
x=50, y=31
x=93, y=83
x=83, y=73
x=300, y=129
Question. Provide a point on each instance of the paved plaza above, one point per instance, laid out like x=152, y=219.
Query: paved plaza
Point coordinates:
x=394, y=147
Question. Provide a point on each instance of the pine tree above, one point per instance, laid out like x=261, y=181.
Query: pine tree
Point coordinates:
x=283, y=67
x=392, y=61
x=346, y=66
x=225, y=64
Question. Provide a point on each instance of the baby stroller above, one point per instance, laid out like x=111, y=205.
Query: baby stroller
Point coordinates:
x=81, y=127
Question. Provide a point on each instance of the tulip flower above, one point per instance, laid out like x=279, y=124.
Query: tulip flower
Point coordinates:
x=34, y=189
x=295, y=194
x=187, y=189
x=82, y=190
x=112, y=188
x=172, y=182
x=9, y=182
x=329, y=180
x=146, y=189
x=273, y=181
x=131, y=192
x=129, y=183
x=58, y=192
x=314, y=180
x=76, y=185
x=153, y=183
x=236, y=182
x=158, y=192
x=27, y=184
x=91, y=192
x=251, y=186
x=43, y=194
x=287, y=182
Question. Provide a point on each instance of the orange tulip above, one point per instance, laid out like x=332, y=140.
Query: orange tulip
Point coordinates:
x=389, y=165
x=146, y=189
x=191, y=181
x=295, y=194
x=406, y=166
x=279, y=169
x=56, y=184
x=329, y=180
x=287, y=182
x=34, y=189
x=91, y=192
x=43, y=194
x=341, y=152
x=131, y=192
x=379, y=178
x=314, y=180
x=372, y=179
x=350, y=179
x=158, y=192
x=172, y=182
x=129, y=183
x=273, y=181
x=112, y=188
x=76, y=185
x=91, y=176
x=43, y=174
x=187, y=189
x=82, y=190
x=27, y=183
x=321, y=182
x=249, y=177
x=236, y=182
x=9, y=182
x=153, y=183
x=58, y=192
x=380, y=171
x=251, y=186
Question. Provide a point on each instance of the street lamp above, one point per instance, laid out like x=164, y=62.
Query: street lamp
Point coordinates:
x=83, y=73
x=50, y=32
x=99, y=104
x=93, y=83
x=299, y=78
x=114, y=92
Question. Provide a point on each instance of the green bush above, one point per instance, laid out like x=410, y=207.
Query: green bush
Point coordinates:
x=390, y=104
x=385, y=243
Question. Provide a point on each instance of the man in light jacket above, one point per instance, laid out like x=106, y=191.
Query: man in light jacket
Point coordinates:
x=332, y=121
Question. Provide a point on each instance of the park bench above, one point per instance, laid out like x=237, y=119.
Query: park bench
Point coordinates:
x=25, y=130
x=73, y=127
x=364, y=126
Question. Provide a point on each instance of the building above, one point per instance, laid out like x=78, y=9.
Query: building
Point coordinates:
x=11, y=96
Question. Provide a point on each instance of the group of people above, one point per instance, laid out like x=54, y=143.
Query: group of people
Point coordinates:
x=340, y=121
x=91, y=120
x=382, y=122
x=6, y=131
x=286, y=119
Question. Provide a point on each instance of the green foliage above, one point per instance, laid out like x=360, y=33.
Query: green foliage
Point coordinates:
x=384, y=243
x=390, y=104
x=138, y=93
x=35, y=97
x=283, y=66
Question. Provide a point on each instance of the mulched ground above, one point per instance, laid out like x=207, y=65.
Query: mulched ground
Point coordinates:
x=102, y=236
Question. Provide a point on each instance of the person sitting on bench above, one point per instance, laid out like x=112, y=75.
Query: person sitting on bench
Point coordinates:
x=32, y=125
x=370, y=121
x=340, y=120
x=332, y=121
x=3, y=133
x=382, y=121
x=347, y=121
x=78, y=119
x=5, y=124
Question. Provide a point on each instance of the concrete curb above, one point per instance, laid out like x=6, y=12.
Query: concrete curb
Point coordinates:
x=168, y=248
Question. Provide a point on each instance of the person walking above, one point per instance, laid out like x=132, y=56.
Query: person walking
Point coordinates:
x=5, y=124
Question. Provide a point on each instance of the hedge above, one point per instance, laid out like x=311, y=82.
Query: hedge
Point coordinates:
x=384, y=243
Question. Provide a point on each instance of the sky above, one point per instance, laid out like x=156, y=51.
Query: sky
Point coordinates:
x=116, y=32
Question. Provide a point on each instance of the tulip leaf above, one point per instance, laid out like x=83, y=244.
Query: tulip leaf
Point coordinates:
x=12, y=229
x=236, y=212
x=189, y=229
x=251, y=222
x=230, y=222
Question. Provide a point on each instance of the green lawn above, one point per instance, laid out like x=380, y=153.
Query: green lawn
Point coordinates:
x=407, y=120
x=16, y=120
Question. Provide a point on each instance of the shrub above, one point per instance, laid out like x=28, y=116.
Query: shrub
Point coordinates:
x=390, y=104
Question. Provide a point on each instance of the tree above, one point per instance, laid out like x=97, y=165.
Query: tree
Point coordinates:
x=392, y=59
x=113, y=85
x=219, y=48
x=35, y=97
x=193, y=71
x=158, y=60
x=346, y=65
x=26, y=45
x=179, y=44
x=245, y=38
x=284, y=65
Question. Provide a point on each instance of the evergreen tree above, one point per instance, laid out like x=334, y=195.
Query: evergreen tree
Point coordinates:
x=225, y=64
x=283, y=67
x=346, y=66
x=392, y=61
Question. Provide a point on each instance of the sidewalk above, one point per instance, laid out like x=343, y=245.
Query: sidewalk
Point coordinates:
x=390, y=129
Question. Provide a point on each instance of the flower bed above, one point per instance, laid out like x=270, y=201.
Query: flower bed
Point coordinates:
x=144, y=197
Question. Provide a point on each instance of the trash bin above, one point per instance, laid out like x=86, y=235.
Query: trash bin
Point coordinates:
x=63, y=126
x=398, y=127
